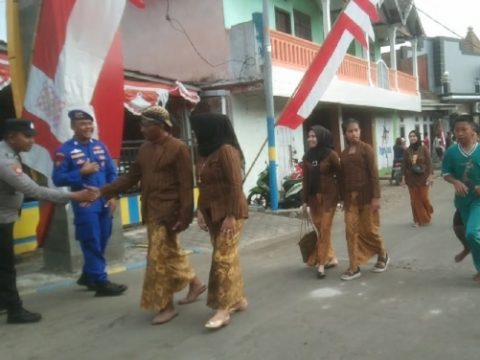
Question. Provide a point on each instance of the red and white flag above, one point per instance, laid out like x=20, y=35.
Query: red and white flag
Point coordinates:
x=77, y=61
x=77, y=64
x=355, y=22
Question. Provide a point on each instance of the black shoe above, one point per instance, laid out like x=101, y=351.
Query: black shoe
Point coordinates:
x=22, y=316
x=83, y=281
x=108, y=288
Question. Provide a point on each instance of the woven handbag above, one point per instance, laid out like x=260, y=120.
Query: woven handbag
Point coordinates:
x=308, y=239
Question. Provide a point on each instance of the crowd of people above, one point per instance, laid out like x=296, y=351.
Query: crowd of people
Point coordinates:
x=163, y=168
x=351, y=179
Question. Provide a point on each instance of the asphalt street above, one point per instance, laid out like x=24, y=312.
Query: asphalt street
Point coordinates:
x=424, y=307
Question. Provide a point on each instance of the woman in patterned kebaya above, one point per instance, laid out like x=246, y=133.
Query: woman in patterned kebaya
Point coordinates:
x=222, y=210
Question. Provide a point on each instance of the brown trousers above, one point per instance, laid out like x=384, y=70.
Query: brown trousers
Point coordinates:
x=167, y=270
x=422, y=210
x=362, y=226
x=322, y=219
x=225, y=283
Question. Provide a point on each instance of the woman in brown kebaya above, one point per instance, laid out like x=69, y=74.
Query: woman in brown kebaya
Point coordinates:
x=417, y=170
x=321, y=166
x=222, y=212
x=360, y=190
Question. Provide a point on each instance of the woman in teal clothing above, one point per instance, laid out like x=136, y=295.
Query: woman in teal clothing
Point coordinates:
x=461, y=168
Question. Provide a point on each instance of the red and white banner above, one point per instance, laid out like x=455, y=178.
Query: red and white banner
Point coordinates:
x=140, y=95
x=4, y=71
x=355, y=22
x=77, y=63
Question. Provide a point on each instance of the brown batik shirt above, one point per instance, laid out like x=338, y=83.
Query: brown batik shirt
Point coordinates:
x=220, y=184
x=329, y=173
x=359, y=174
x=164, y=169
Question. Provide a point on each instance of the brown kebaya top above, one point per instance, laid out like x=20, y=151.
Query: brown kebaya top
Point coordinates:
x=329, y=174
x=220, y=184
x=422, y=158
x=359, y=174
x=164, y=169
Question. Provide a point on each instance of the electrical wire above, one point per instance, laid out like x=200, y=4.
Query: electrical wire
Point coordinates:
x=177, y=25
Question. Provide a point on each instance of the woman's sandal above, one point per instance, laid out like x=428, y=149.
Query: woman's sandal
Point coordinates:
x=216, y=322
x=382, y=264
x=242, y=305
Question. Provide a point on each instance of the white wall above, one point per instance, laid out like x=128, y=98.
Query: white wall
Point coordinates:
x=384, y=140
x=249, y=121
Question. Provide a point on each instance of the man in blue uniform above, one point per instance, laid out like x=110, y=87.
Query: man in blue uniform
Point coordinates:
x=79, y=162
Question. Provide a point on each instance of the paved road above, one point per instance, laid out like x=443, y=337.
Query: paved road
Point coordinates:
x=424, y=307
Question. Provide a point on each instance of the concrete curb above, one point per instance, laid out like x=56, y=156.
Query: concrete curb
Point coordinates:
x=114, y=269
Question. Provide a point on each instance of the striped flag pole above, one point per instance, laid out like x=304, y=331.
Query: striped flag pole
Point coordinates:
x=353, y=23
x=272, y=153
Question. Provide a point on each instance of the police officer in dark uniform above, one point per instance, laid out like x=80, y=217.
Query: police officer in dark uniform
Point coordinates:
x=14, y=184
x=79, y=162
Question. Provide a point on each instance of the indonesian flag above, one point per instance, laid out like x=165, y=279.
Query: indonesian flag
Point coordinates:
x=77, y=64
x=355, y=22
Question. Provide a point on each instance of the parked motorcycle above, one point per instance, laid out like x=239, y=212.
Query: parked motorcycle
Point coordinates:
x=396, y=173
x=291, y=193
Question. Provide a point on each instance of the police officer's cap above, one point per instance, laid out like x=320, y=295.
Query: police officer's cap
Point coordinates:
x=157, y=115
x=79, y=115
x=19, y=125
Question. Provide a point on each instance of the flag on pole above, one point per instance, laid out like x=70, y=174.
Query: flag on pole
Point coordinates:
x=355, y=22
x=77, y=63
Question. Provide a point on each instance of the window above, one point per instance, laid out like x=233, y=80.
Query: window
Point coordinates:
x=282, y=21
x=303, y=26
x=402, y=131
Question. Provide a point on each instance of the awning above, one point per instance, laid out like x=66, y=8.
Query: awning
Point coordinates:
x=141, y=94
x=4, y=71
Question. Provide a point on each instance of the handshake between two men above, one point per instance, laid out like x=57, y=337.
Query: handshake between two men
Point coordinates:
x=89, y=195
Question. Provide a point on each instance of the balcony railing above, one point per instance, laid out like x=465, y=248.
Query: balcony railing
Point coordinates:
x=292, y=52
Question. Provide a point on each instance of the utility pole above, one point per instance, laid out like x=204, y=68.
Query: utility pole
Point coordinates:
x=267, y=84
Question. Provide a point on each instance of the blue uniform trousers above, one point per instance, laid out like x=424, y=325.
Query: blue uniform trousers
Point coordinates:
x=93, y=229
x=471, y=218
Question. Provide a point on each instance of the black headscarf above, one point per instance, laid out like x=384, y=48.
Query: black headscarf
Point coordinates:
x=213, y=130
x=316, y=154
x=416, y=145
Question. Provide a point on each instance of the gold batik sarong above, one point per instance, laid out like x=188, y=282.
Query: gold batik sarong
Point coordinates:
x=322, y=219
x=422, y=209
x=362, y=226
x=167, y=271
x=225, y=284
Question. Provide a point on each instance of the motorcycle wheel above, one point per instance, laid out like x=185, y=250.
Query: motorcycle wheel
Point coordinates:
x=257, y=200
x=398, y=178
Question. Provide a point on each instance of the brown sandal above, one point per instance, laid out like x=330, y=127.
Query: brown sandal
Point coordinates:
x=382, y=264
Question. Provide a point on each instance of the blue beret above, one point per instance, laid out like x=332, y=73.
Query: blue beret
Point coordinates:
x=79, y=115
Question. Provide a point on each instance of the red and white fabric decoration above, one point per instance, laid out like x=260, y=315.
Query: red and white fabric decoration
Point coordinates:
x=140, y=95
x=4, y=71
x=355, y=22
x=77, y=64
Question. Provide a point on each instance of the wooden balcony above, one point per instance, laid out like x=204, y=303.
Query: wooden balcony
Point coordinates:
x=295, y=53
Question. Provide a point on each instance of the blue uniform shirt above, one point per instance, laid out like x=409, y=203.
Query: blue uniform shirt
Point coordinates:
x=70, y=158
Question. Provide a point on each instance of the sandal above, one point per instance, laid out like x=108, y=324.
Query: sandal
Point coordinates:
x=330, y=265
x=350, y=275
x=382, y=264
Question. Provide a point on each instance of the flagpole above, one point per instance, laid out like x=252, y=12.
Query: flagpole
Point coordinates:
x=267, y=84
